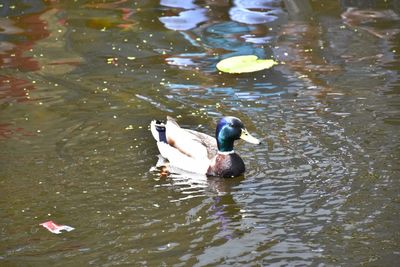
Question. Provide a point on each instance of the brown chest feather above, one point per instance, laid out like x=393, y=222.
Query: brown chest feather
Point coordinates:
x=226, y=166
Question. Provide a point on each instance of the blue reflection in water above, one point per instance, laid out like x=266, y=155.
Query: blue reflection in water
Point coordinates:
x=185, y=20
x=247, y=16
x=185, y=4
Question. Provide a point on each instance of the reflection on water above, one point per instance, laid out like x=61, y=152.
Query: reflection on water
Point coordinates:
x=80, y=81
x=255, y=12
x=186, y=20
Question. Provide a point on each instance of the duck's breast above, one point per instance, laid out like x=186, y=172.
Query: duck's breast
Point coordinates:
x=226, y=166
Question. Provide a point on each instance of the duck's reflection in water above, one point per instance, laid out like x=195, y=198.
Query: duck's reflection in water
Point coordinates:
x=217, y=196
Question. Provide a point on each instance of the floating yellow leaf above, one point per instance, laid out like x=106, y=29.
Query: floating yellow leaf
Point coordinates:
x=244, y=64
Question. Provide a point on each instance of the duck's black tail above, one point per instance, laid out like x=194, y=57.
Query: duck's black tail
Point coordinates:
x=158, y=130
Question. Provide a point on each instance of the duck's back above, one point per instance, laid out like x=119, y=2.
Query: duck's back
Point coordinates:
x=191, y=143
x=207, y=141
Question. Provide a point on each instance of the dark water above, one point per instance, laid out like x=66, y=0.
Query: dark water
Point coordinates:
x=81, y=80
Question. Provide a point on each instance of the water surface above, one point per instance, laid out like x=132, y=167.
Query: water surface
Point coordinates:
x=81, y=80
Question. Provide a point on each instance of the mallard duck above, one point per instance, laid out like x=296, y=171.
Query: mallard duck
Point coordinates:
x=200, y=153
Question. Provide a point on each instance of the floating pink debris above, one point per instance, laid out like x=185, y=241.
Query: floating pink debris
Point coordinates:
x=55, y=228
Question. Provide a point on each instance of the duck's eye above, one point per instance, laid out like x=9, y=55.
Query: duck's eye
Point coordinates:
x=230, y=124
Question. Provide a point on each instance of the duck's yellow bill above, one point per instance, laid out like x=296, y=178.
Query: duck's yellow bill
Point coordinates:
x=248, y=138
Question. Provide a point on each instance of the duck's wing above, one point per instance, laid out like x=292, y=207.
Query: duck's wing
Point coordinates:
x=209, y=142
x=191, y=143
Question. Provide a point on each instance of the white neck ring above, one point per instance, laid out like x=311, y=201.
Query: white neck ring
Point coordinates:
x=226, y=152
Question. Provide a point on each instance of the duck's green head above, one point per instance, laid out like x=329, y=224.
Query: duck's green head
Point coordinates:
x=230, y=129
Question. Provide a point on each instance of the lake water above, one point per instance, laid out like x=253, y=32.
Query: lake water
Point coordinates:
x=80, y=82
